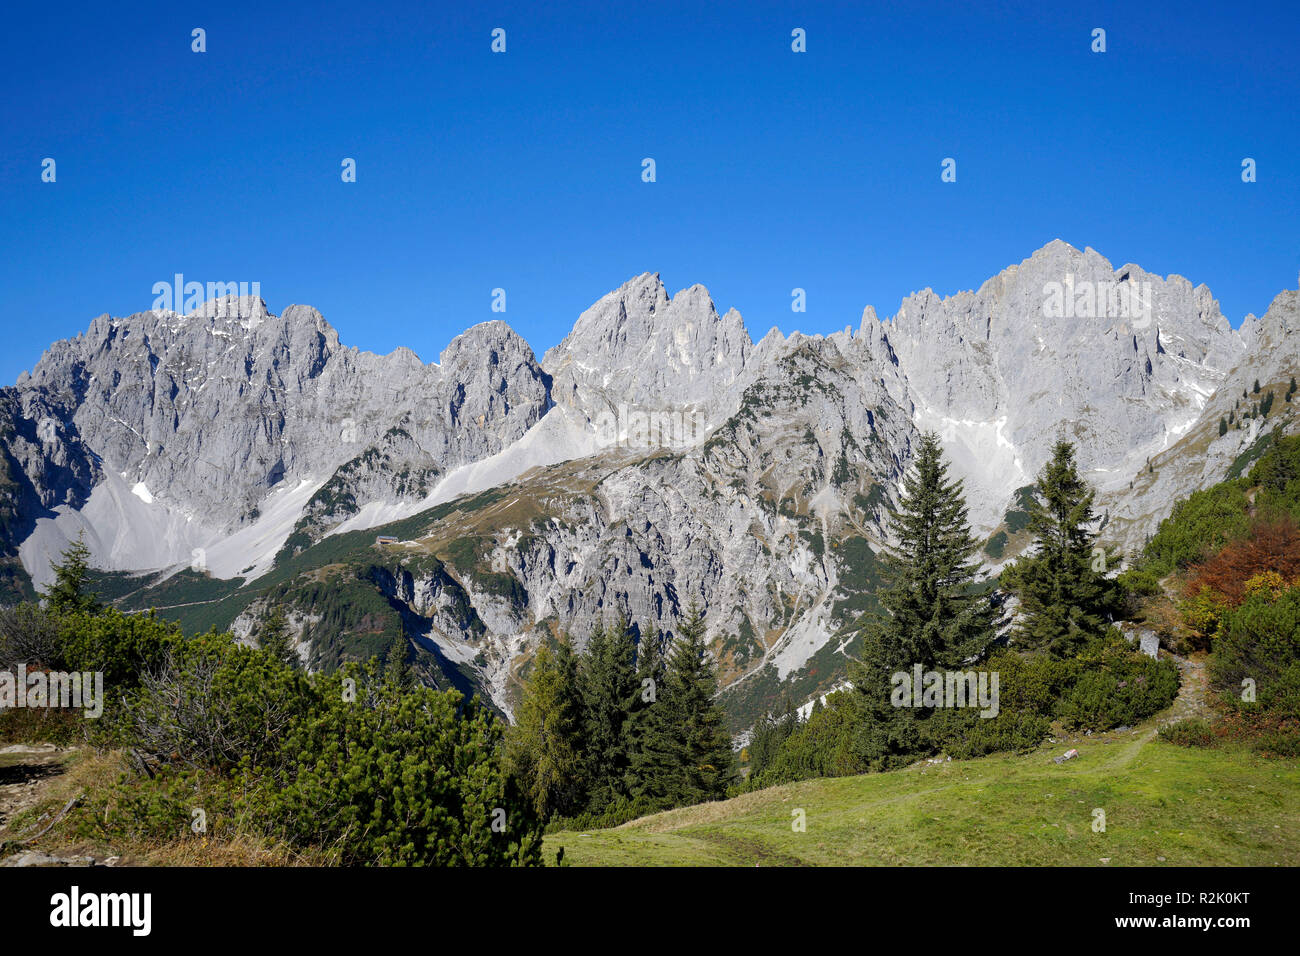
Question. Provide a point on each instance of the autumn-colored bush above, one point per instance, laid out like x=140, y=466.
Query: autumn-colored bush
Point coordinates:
x=1272, y=545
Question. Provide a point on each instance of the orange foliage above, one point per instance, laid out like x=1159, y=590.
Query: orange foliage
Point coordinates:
x=1271, y=545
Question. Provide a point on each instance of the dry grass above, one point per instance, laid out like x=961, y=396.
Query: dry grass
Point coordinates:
x=91, y=773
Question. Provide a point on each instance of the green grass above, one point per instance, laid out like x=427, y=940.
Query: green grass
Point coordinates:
x=1165, y=805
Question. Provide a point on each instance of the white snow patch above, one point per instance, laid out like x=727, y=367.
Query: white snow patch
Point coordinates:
x=805, y=710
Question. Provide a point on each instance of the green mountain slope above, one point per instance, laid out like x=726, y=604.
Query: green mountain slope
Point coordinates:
x=1164, y=805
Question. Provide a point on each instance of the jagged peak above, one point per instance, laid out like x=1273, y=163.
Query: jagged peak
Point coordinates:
x=249, y=310
x=492, y=332
x=639, y=310
x=1055, y=247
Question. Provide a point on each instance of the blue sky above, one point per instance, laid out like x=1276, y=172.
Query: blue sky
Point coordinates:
x=522, y=170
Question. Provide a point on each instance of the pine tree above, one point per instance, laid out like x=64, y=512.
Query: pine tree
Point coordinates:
x=607, y=678
x=1256, y=388
x=649, y=681
x=396, y=670
x=68, y=594
x=1223, y=426
x=1064, y=600
x=685, y=752
x=273, y=636
x=929, y=614
x=768, y=736
x=933, y=618
x=544, y=746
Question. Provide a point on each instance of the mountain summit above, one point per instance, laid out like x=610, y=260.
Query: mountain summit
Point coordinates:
x=656, y=454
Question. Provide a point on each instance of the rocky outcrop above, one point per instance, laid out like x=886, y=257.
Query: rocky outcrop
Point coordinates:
x=208, y=415
x=655, y=456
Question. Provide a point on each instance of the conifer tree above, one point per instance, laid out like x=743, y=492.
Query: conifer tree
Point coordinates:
x=545, y=745
x=68, y=594
x=607, y=677
x=649, y=668
x=685, y=752
x=273, y=636
x=933, y=616
x=649, y=681
x=930, y=612
x=1064, y=600
x=769, y=734
x=396, y=670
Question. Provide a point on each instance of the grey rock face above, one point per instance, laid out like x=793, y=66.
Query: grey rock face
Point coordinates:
x=637, y=346
x=396, y=469
x=211, y=412
x=1063, y=345
x=1201, y=456
x=770, y=514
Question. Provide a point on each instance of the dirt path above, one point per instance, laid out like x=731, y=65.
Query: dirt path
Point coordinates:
x=28, y=774
x=1193, y=694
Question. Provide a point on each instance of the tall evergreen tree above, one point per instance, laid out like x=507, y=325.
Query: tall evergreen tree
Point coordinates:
x=769, y=734
x=649, y=668
x=930, y=611
x=70, y=591
x=396, y=670
x=685, y=752
x=649, y=681
x=934, y=617
x=273, y=636
x=607, y=677
x=1064, y=601
x=545, y=745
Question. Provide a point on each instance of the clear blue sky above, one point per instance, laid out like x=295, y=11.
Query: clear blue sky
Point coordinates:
x=523, y=171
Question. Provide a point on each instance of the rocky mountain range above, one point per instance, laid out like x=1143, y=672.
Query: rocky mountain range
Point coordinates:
x=229, y=460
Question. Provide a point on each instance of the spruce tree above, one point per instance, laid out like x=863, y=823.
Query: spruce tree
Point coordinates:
x=68, y=594
x=930, y=613
x=395, y=667
x=685, y=751
x=769, y=735
x=273, y=636
x=933, y=618
x=649, y=680
x=1063, y=599
x=545, y=745
x=607, y=678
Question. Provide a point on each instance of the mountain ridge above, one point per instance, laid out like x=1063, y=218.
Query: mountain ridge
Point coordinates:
x=753, y=475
